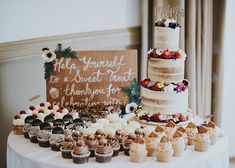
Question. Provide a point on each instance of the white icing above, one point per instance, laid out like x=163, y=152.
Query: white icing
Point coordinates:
x=18, y=122
x=202, y=137
x=112, y=117
x=138, y=148
x=134, y=124
x=164, y=147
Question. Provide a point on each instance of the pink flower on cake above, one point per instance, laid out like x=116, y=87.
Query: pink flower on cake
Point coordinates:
x=47, y=55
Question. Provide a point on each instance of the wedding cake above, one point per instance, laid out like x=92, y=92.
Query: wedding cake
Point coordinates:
x=165, y=92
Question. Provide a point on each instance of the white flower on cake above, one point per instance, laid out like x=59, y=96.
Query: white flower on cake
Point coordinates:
x=169, y=88
x=47, y=55
x=150, y=51
x=159, y=51
x=131, y=107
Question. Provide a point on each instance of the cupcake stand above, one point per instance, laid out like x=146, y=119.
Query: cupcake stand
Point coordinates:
x=21, y=153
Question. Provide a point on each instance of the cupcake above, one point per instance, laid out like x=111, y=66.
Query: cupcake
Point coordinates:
x=139, y=132
x=202, y=140
x=138, y=151
x=160, y=132
x=99, y=134
x=103, y=152
x=191, y=131
x=164, y=150
x=114, y=142
x=76, y=136
x=151, y=143
x=183, y=131
x=80, y=153
x=120, y=136
x=28, y=120
x=211, y=128
x=130, y=138
x=58, y=123
x=170, y=129
x=56, y=138
x=44, y=135
x=49, y=119
x=178, y=143
x=67, y=147
x=33, y=132
x=18, y=124
x=68, y=118
x=91, y=142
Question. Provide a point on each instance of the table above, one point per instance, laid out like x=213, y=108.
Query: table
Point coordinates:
x=21, y=153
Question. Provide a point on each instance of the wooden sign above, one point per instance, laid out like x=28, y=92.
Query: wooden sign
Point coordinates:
x=95, y=77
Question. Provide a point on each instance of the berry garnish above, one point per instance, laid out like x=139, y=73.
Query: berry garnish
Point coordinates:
x=32, y=108
x=59, y=110
x=17, y=116
x=145, y=82
x=22, y=112
x=183, y=118
x=176, y=55
x=167, y=54
x=50, y=107
x=35, y=116
x=52, y=114
x=155, y=87
x=40, y=111
x=42, y=104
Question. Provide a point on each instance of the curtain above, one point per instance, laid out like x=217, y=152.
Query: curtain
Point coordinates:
x=201, y=37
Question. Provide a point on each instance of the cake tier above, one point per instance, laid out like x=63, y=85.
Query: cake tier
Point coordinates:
x=166, y=70
x=166, y=37
x=167, y=103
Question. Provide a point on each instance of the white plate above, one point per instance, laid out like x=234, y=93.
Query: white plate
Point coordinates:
x=156, y=123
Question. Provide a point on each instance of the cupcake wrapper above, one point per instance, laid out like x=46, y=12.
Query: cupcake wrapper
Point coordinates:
x=201, y=146
x=116, y=151
x=26, y=135
x=164, y=156
x=17, y=130
x=104, y=158
x=43, y=143
x=126, y=151
x=66, y=153
x=55, y=147
x=151, y=151
x=80, y=159
x=178, y=150
x=33, y=139
x=138, y=157
x=190, y=140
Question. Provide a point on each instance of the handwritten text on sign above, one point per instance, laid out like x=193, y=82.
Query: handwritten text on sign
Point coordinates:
x=95, y=77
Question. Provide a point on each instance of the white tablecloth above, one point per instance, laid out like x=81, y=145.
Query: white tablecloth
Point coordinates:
x=21, y=153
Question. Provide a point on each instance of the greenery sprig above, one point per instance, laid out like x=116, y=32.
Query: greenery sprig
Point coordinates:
x=133, y=92
x=59, y=52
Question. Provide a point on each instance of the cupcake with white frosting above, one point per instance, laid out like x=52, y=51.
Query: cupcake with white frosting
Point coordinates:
x=170, y=129
x=160, y=132
x=164, y=150
x=211, y=128
x=152, y=141
x=138, y=151
x=178, y=143
x=182, y=130
x=202, y=140
x=18, y=124
x=191, y=131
